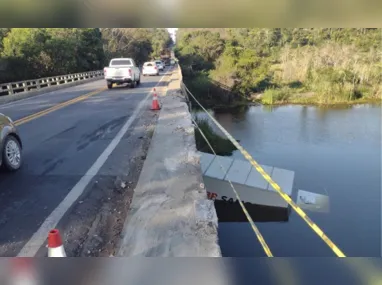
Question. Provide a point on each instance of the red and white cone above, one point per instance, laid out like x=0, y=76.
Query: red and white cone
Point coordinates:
x=23, y=272
x=55, y=246
x=155, y=105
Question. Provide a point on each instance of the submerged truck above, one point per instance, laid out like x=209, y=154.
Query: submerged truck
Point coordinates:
x=122, y=71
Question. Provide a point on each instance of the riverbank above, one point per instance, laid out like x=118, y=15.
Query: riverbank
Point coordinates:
x=287, y=96
x=221, y=145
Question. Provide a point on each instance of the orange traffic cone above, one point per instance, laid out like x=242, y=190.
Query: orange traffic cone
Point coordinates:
x=155, y=105
x=55, y=247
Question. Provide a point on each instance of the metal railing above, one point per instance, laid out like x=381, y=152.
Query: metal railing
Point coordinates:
x=36, y=84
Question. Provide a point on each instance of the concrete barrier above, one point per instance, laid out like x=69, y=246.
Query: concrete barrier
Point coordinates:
x=170, y=215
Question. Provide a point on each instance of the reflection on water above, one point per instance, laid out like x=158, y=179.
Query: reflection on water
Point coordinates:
x=334, y=151
x=269, y=108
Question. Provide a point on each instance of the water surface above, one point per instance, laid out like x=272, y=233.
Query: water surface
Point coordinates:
x=333, y=151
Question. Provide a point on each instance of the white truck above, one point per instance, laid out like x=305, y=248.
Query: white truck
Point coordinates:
x=121, y=71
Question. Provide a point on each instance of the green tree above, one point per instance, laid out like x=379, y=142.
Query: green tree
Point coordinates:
x=32, y=53
x=336, y=62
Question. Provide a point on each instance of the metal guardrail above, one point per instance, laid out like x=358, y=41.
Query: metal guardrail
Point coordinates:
x=36, y=84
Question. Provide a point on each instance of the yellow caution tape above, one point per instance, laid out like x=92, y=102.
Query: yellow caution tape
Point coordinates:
x=275, y=186
x=259, y=236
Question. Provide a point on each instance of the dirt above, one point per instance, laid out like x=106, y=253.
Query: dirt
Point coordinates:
x=93, y=226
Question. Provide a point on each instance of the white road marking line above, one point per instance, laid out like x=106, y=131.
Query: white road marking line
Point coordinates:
x=39, y=237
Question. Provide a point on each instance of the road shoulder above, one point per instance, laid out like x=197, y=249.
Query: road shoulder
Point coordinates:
x=93, y=226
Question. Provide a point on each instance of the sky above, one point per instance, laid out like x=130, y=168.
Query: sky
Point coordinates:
x=172, y=31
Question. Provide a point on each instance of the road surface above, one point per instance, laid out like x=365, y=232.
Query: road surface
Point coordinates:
x=90, y=146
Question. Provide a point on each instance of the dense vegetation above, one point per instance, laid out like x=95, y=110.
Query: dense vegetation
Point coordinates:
x=321, y=66
x=30, y=53
x=221, y=145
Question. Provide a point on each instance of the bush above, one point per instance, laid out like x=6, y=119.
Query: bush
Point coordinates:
x=273, y=95
x=336, y=65
x=221, y=146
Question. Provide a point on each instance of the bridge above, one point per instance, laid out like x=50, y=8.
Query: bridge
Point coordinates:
x=119, y=179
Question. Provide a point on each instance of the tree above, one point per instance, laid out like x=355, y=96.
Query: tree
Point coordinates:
x=140, y=44
x=32, y=53
x=3, y=34
x=325, y=61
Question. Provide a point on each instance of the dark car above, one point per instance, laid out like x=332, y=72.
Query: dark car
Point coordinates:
x=10, y=145
x=167, y=62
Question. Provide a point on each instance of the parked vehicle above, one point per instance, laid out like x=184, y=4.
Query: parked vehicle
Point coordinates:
x=121, y=71
x=10, y=145
x=150, y=68
x=160, y=65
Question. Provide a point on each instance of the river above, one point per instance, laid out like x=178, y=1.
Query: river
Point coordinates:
x=334, y=151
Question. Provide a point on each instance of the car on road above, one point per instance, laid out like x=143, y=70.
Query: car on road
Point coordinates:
x=122, y=71
x=160, y=65
x=10, y=145
x=150, y=68
x=167, y=62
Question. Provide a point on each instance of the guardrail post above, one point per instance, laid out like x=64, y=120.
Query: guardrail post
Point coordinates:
x=10, y=89
x=66, y=79
x=25, y=86
x=38, y=86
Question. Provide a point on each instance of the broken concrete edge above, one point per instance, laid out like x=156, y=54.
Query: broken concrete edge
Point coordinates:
x=24, y=95
x=170, y=214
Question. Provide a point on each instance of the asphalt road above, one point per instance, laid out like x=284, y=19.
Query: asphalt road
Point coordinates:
x=61, y=146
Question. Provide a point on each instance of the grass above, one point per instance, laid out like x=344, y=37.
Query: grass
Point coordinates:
x=276, y=96
x=322, y=94
x=221, y=145
x=150, y=131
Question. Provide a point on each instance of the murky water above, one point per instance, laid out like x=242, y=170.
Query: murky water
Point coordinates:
x=334, y=152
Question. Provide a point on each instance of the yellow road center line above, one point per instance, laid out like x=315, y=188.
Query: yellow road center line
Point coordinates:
x=56, y=107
